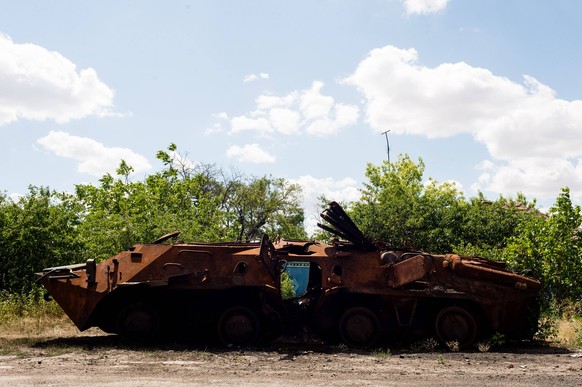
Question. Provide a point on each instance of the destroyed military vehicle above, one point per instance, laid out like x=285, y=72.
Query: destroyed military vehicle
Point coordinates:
x=354, y=290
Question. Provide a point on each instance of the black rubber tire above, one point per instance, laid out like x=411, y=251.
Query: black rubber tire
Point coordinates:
x=454, y=323
x=359, y=327
x=238, y=326
x=139, y=323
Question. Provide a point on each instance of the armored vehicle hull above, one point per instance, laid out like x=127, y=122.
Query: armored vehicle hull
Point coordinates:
x=357, y=291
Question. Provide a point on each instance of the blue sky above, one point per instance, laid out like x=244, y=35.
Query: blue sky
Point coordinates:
x=488, y=93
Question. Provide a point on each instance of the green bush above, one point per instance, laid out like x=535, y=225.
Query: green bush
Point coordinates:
x=26, y=305
x=287, y=291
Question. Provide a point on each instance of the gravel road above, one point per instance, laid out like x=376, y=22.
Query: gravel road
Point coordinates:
x=103, y=360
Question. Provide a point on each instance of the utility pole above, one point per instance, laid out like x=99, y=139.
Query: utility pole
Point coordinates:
x=387, y=145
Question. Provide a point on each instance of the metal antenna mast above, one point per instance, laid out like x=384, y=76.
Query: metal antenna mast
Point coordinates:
x=387, y=145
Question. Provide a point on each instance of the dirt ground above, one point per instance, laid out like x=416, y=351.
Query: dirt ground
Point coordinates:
x=96, y=359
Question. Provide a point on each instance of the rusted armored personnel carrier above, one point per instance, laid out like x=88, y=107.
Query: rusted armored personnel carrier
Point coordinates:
x=354, y=290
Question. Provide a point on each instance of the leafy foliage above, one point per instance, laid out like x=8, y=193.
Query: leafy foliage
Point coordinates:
x=551, y=247
x=287, y=291
x=398, y=208
x=390, y=202
x=38, y=230
x=14, y=305
x=266, y=202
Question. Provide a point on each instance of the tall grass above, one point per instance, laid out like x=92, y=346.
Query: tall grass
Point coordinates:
x=568, y=326
x=31, y=304
x=28, y=314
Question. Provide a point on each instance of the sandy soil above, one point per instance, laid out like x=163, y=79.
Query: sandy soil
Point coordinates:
x=97, y=359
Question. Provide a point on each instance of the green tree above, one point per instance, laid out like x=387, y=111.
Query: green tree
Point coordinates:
x=389, y=201
x=119, y=212
x=200, y=200
x=266, y=205
x=488, y=225
x=39, y=230
x=439, y=217
x=551, y=247
x=398, y=208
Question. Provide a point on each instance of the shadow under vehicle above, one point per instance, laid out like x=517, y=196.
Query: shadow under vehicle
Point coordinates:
x=359, y=291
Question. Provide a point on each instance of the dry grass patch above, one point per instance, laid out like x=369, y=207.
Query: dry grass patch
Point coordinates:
x=37, y=326
x=569, y=332
x=27, y=321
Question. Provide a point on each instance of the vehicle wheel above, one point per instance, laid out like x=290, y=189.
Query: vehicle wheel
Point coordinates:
x=456, y=324
x=238, y=325
x=139, y=323
x=359, y=328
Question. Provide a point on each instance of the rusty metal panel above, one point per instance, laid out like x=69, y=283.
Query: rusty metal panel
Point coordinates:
x=358, y=290
x=412, y=269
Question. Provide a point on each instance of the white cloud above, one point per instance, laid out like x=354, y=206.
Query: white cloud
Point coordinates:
x=266, y=102
x=38, y=84
x=15, y=197
x=346, y=189
x=244, y=123
x=255, y=77
x=313, y=104
x=284, y=121
x=528, y=131
x=250, y=153
x=94, y=158
x=344, y=115
x=407, y=98
x=423, y=6
x=306, y=111
x=537, y=176
x=218, y=127
x=215, y=128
